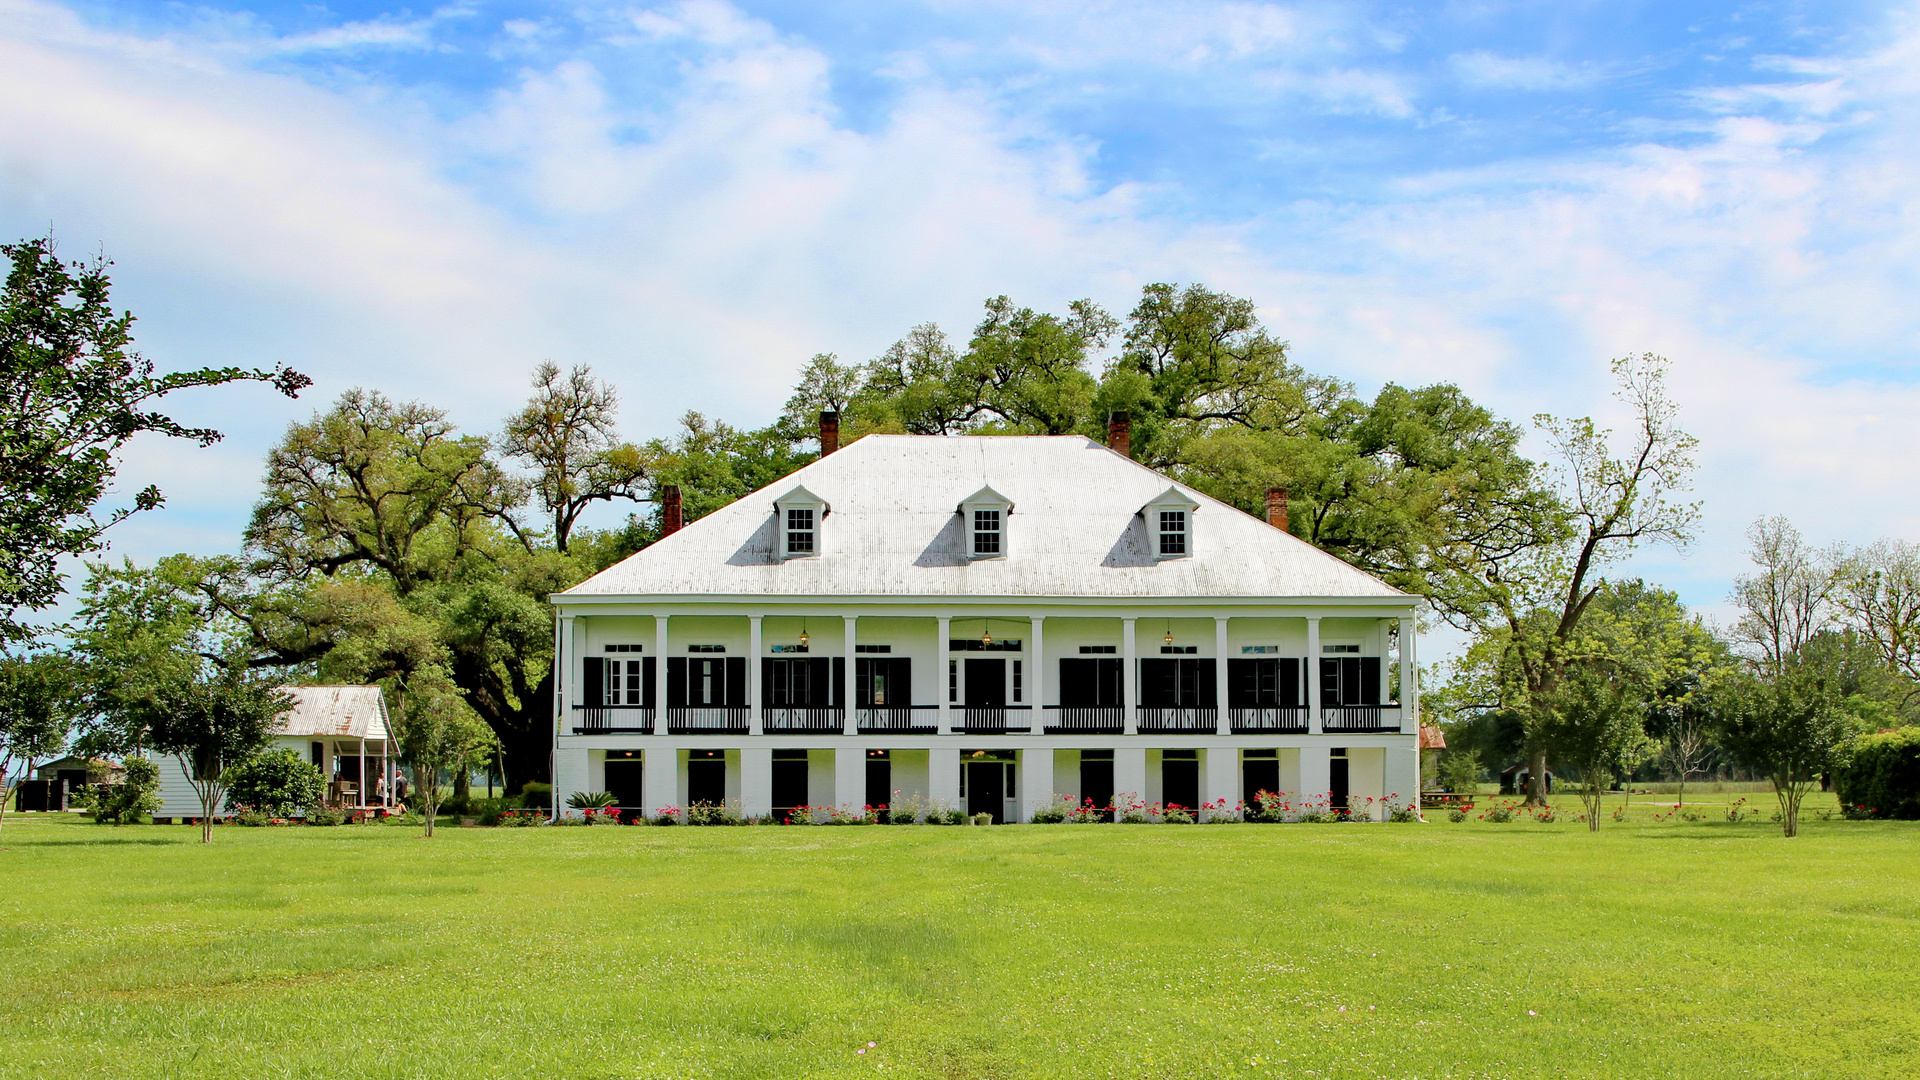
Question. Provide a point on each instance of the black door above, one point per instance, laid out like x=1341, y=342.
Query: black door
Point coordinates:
x=1258, y=775
x=986, y=684
x=789, y=785
x=987, y=786
x=1337, y=782
x=623, y=783
x=879, y=782
x=1096, y=781
x=1180, y=783
x=706, y=781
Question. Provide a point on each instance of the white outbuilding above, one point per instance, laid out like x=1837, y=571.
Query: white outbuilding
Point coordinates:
x=343, y=730
x=990, y=624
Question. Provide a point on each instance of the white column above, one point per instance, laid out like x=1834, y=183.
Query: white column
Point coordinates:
x=1130, y=772
x=1224, y=724
x=1222, y=777
x=1410, y=694
x=1037, y=683
x=1316, y=771
x=660, y=779
x=1036, y=781
x=1129, y=695
x=1312, y=675
x=941, y=663
x=754, y=692
x=850, y=718
x=566, y=688
x=756, y=779
x=943, y=776
x=850, y=777
x=660, y=686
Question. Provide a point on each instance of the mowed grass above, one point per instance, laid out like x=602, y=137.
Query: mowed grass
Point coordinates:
x=1435, y=950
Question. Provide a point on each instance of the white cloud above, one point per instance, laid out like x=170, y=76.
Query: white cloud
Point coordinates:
x=1482, y=68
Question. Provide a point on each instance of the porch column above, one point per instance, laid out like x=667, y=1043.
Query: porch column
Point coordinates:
x=1222, y=777
x=756, y=779
x=755, y=694
x=941, y=662
x=363, y=785
x=660, y=686
x=1130, y=772
x=1037, y=683
x=1312, y=675
x=659, y=778
x=1316, y=771
x=1223, y=725
x=849, y=777
x=1410, y=694
x=943, y=777
x=851, y=718
x=1129, y=713
x=1036, y=781
x=567, y=690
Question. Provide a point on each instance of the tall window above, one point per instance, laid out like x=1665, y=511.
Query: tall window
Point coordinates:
x=986, y=532
x=1173, y=532
x=800, y=531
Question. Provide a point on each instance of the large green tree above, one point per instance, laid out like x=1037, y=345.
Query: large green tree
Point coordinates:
x=73, y=393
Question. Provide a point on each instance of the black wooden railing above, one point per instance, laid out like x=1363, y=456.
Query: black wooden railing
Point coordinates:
x=790, y=719
x=1192, y=720
x=613, y=719
x=1282, y=719
x=899, y=719
x=995, y=720
x=1083, y=720
x=706, y=720
x=1356, y=718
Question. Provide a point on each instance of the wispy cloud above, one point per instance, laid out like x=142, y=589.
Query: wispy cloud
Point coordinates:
x=1486, y=69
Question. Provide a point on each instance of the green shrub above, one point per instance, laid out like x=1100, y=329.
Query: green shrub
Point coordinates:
x=1173, y=815
x=1460, y=771
x=1052, y=815
x=1879, y=775
x=534, y=794
x=905, y=815
x=1499, y=813
x=253, y=817
x=325, y=815
x=1456, y=815
x=581, y=800
x=124, y=803
x=279, y=783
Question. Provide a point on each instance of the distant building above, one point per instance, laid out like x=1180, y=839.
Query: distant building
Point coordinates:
x=988, y=623
x=341, y=729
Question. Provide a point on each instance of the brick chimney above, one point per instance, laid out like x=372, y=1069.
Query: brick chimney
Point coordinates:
x=670, y=518
x=829, y=432
x=1277, y=508
x=1120, y=432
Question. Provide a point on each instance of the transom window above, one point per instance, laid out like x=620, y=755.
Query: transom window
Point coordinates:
x=986, y=532
x=800, y=531
x=1173, y=532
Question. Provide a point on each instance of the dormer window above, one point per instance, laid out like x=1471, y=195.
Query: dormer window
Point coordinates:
x=1169, y=519
x=798, y=515
x=984, y=515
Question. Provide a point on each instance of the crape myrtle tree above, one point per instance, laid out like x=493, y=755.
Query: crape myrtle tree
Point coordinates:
x=73, y=393
x=1784, y=723
x=212, y=716
x=1596, y=723
x=41, y=699
x=438, y=732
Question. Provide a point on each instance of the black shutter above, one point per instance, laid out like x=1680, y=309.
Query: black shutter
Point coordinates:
x=676, y=682
x=1289, y=684
x=839, y=682
x=1107, y=689
x=1076, y=683
x=767, y=700
x=1243, y=684
x=863, y=681
x=648, y=688
x=900, y=683
x=1369, y=680
x=1209, y=689
x=1349, y=680
x=1329, y=681
x=1157, y=683
x=736, y=682
x=593, y=678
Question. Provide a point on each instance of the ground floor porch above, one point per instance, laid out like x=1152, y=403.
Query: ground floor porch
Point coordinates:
x=1010, y=781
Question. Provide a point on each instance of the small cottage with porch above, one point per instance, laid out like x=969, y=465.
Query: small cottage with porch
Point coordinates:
x=343, y=730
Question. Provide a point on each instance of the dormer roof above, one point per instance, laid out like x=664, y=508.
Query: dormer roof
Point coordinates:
x=985, y=497
x=1171, y=499
x=798, y=495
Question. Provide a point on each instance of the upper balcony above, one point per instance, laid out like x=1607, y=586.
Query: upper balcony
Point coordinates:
x=995, y=720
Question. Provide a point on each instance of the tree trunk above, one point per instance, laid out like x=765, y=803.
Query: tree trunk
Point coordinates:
x=1536, y=777
x=462, y=785
x=208, y=797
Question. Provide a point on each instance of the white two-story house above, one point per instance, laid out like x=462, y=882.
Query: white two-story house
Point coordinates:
x=987, y=624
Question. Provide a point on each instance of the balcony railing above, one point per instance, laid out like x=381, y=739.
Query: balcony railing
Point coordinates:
x=899, y=720
x=789, y=719
x=995, y=720
x=1083, y=720
x=1348, y=719
x=706, y=720
x=1280, y=719
x=1189, y=720
x=612, y=720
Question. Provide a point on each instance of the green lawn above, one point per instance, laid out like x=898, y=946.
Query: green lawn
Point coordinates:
x=1437, y=950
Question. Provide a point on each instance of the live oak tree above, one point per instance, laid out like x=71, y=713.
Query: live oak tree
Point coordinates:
x=566, y=434
x=73, y=393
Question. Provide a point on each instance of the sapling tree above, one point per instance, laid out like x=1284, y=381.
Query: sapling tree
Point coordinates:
x=1688, y=741
x=211, y=716
x=1598, y=726
x=1784, y=724
x=438, y=731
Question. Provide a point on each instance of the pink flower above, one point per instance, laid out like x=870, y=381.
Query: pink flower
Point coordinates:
x=870, y=1046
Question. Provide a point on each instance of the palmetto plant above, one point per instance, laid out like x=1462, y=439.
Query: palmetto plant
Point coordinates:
x=582, y=800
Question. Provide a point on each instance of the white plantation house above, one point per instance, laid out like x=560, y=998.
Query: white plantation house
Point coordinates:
x=987, y=623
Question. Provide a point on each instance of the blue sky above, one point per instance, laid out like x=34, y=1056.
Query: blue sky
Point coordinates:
x=694, y=197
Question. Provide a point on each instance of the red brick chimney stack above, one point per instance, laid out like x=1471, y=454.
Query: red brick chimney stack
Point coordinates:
x=1277, y=508
x=1120, y=432
x=829, y=432
x=670, y=517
